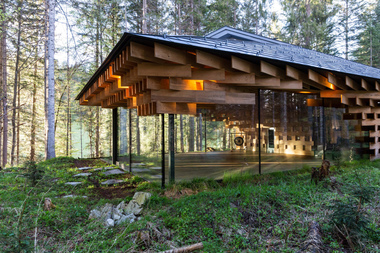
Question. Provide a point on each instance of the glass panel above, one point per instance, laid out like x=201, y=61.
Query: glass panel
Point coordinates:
x=218, y=140
x=124, y=138
x=342, y=140
x=146, y=146
x=290, y=131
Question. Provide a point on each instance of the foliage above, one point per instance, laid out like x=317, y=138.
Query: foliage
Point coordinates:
x=241, y=213
x=34, y=172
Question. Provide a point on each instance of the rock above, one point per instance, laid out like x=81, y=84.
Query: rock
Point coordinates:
x=116, y=214
x=69, y=196
x=141, y=197
x=48, y=204
x=73, y=183
x=113, y=172
x=110, y=223
x=135, y=205
x=107, y=211
x=112, y=181
x=94, y=214
x=155, y=168
x=140, y=170
x=121, y=206
x=82, y=174
x=85, y=168
x=133, y=208
x=138, y=164
x=126, y=218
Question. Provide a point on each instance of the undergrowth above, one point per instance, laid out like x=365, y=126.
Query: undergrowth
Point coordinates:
x=241, y=213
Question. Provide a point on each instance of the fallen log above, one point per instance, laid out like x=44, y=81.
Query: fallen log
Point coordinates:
x=185, y=249
x=313, y=243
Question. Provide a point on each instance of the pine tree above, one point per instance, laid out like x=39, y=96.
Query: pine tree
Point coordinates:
x=255, y=16
x=368, y=51
x=309, y=24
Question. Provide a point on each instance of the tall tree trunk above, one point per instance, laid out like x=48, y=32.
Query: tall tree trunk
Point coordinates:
x=200, y=132
x=123, y=131
x=144, y=9
x=97, y=57
x=191, y=134
x=15, y=86
x=138, y=134
x=51, y=85
x=46, y=35
x=224, y=143
x=181, y=133
x=34, y=112
x=68, y=111
x=18, y=125
x=4, y=87
x=346, y=29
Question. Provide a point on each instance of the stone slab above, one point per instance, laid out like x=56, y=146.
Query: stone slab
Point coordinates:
x=138, y=164
x=113, y=172
x=85, y=168
x=139, y=170
x=73, y=183
x=112, y=181
x=155, y=168
x=82, y=174
x=156, y=176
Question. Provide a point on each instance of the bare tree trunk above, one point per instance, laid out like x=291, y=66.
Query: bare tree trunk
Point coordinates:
x=138, y=134
x=181, y=133
x=15, y=86
x=224, y=138
x=18, y=125
x=51, y=85
x=192, y=16
x=34, y=112
x=68, y=111
x=4, y=86
x=144, y=25
x=200, y=132
x=123, y=131
x=46, y=34
x=346, y=30
x=191, y=134
x=97, y=56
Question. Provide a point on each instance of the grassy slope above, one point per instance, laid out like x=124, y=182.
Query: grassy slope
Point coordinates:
x=243, y=213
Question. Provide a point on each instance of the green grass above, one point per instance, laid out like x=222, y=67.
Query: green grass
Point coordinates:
x=243, y=213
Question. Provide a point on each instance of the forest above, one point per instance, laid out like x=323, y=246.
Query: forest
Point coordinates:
x=50, y=49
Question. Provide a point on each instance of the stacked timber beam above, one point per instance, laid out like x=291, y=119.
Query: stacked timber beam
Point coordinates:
x=158, y=78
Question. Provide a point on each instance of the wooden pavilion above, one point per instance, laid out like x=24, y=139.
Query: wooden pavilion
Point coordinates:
x=162, y=74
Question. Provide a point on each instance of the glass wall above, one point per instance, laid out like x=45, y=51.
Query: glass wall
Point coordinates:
x=291, y=132
x=223, y=139
x=141, y=154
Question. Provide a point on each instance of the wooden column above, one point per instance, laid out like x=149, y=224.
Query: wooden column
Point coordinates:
x=115, y=135
x=163, y=151
x=171, y=149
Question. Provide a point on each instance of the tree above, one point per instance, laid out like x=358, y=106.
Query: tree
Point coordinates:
x=255, y=16
x=349, y=22
x=368, y=51
x=4, y=85
x=221, y=13
x=51, y=87
x=309, y=24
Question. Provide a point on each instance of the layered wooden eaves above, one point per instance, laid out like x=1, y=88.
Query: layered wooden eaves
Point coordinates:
x=162, y=79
